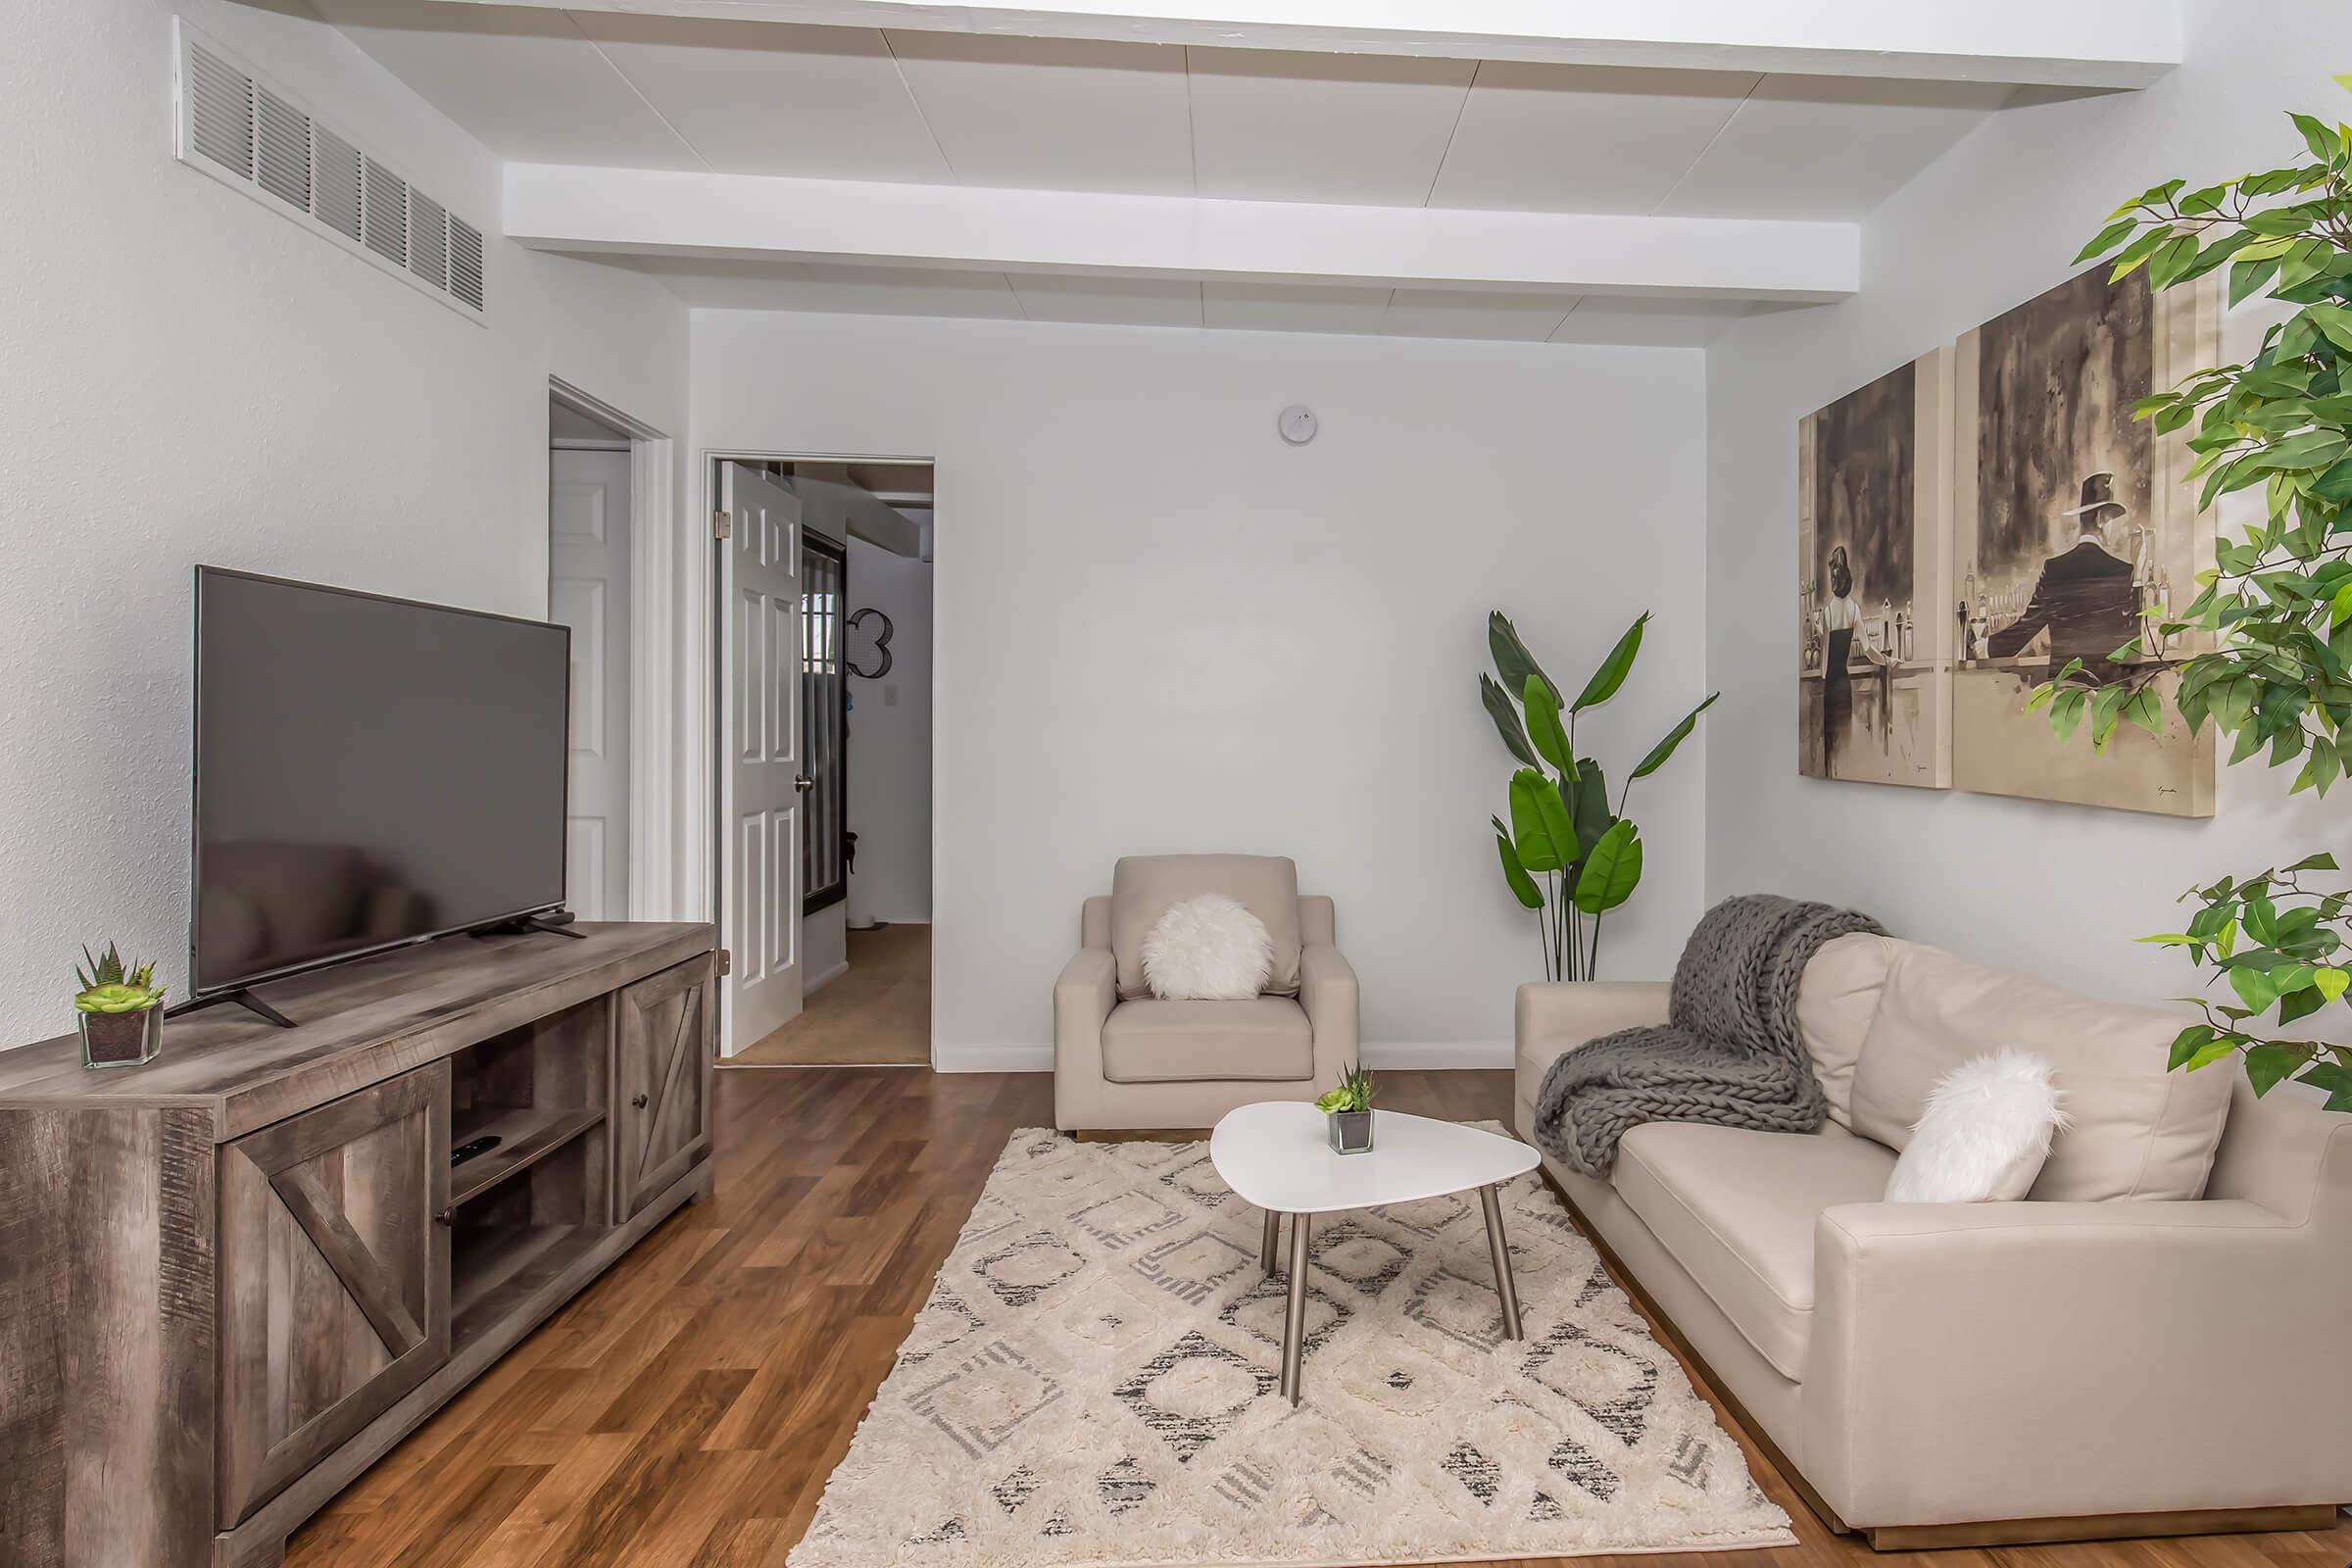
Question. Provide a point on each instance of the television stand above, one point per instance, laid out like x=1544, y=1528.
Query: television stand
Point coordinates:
x=243, y=997
x=233, y=1279
x=558, y=924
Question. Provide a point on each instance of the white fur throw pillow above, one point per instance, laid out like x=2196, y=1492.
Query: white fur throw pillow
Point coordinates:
x=1984, y=1135
x=1207, y=949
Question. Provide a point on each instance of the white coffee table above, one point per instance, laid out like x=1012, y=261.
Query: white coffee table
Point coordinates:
x=1276, y=1156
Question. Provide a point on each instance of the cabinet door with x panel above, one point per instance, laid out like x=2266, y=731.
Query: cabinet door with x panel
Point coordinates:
x=667, y=1033
x=334, y=1277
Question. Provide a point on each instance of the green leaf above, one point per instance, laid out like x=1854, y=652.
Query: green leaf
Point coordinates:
x=1664, y=750
x=1512, y=661
x=2299, y=1004
x=2270, y=1064
x=2105, y=708
x=1506, y=720
x=2321, y=862
x=2145, y=709
x=1611, y=871
x=2188, y=1043
x=2065, y=712
x=1591, y=807
x=2323, y=144
x=1613, y=668
x=2207, y=1055
x=1540, y=823
x=2254, y=987
x=1543, y=724
x=2107, y=239
x=1513, y=872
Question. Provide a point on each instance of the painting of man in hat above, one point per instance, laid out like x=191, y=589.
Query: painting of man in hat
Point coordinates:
x=2070, y=518
x=2082, y=598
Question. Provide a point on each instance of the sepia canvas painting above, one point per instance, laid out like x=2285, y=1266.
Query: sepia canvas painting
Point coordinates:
x=2070, y=521
x=1874, y=552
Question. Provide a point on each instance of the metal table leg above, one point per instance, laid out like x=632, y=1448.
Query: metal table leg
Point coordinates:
x=1293, y=1318
x=1269, y=1244
x=1488, y=1199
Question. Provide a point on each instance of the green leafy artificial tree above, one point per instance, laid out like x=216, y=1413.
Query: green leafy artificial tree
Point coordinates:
x=2278, y=603
x=1567, y=854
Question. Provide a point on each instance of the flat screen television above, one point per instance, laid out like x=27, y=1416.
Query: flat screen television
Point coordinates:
x=369, y=771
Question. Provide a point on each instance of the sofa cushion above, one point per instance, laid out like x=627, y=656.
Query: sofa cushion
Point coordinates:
x=1835, y=1002
x=1186, y=1042
x=1736, y=1208
x=2136, y=1130
x=1143, y=887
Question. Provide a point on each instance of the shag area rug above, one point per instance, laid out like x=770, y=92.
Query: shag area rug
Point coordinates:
x=1093, y=1384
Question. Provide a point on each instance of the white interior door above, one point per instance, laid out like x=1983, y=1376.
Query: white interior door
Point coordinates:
x=761, y=719
x=588, y=590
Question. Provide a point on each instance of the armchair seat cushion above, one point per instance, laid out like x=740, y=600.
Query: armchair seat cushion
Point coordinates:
x=1266, y=1039
x=1737, y=1208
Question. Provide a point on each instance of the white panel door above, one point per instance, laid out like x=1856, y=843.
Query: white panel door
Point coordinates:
x=761, y=719
x=588, y=590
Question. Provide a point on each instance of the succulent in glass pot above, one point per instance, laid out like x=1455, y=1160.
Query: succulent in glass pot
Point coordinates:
x=1350, y=1110
x=120, y=1010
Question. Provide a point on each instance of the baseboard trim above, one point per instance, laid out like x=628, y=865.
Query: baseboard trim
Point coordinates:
x=991, y=1059
x=1406, y=1055
x=1380, y=1055
x=2102, y=1527
x=819, y=982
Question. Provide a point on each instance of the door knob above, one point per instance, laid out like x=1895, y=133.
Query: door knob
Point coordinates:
x=638, y=1101
x=803, y=782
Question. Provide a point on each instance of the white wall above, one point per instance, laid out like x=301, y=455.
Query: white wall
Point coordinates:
x=1159, y=628
x=890, y=741
x=2054, y=889
x=186, y=377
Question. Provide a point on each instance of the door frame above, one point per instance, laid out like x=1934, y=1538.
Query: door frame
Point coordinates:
x=706, y=622
x=655, y=889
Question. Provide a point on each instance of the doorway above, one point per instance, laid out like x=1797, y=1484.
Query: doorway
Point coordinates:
x=611, y=532
x=823, y=764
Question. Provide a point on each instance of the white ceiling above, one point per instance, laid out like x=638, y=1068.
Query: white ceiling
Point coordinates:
x=939, y=108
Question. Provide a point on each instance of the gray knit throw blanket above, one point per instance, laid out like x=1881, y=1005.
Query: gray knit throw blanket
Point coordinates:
x=1731, y=1053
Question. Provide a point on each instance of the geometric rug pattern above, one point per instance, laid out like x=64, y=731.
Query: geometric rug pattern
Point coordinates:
x=1092, y=1385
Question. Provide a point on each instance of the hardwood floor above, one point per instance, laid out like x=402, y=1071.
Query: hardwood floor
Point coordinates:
x=685, y=1410
x=878, y=1014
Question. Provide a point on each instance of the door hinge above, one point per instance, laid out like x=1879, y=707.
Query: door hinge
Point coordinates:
x=727, y=961
x=722, y=524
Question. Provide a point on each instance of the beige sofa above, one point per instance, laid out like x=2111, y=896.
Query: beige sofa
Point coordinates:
x=2150, y=1344
x=1125, y=1060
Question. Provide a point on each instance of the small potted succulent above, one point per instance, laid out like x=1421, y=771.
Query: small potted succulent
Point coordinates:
x=1350, y=1110
x=121, y=1010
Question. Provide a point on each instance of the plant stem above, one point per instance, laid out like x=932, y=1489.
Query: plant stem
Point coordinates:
x=1592, y=965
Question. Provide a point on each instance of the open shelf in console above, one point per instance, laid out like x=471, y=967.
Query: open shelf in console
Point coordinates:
x=525, y=1209
x=526, y=1136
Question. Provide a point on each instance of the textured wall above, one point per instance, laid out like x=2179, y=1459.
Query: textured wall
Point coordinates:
x=186, y=377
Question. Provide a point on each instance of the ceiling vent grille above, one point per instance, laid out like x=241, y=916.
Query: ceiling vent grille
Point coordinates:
x=335, y=197
x=428, y=239
x=465, y=262
x=246, y=133
x=385, y=209
x=281, y=147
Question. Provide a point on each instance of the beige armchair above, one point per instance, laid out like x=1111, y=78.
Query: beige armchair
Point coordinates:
x=1125, y=1060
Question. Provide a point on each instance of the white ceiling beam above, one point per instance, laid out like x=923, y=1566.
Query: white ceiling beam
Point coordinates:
x=2060, y=43
x=664, y=213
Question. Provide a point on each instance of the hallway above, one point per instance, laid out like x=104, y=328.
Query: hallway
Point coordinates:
x=877, y=1014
